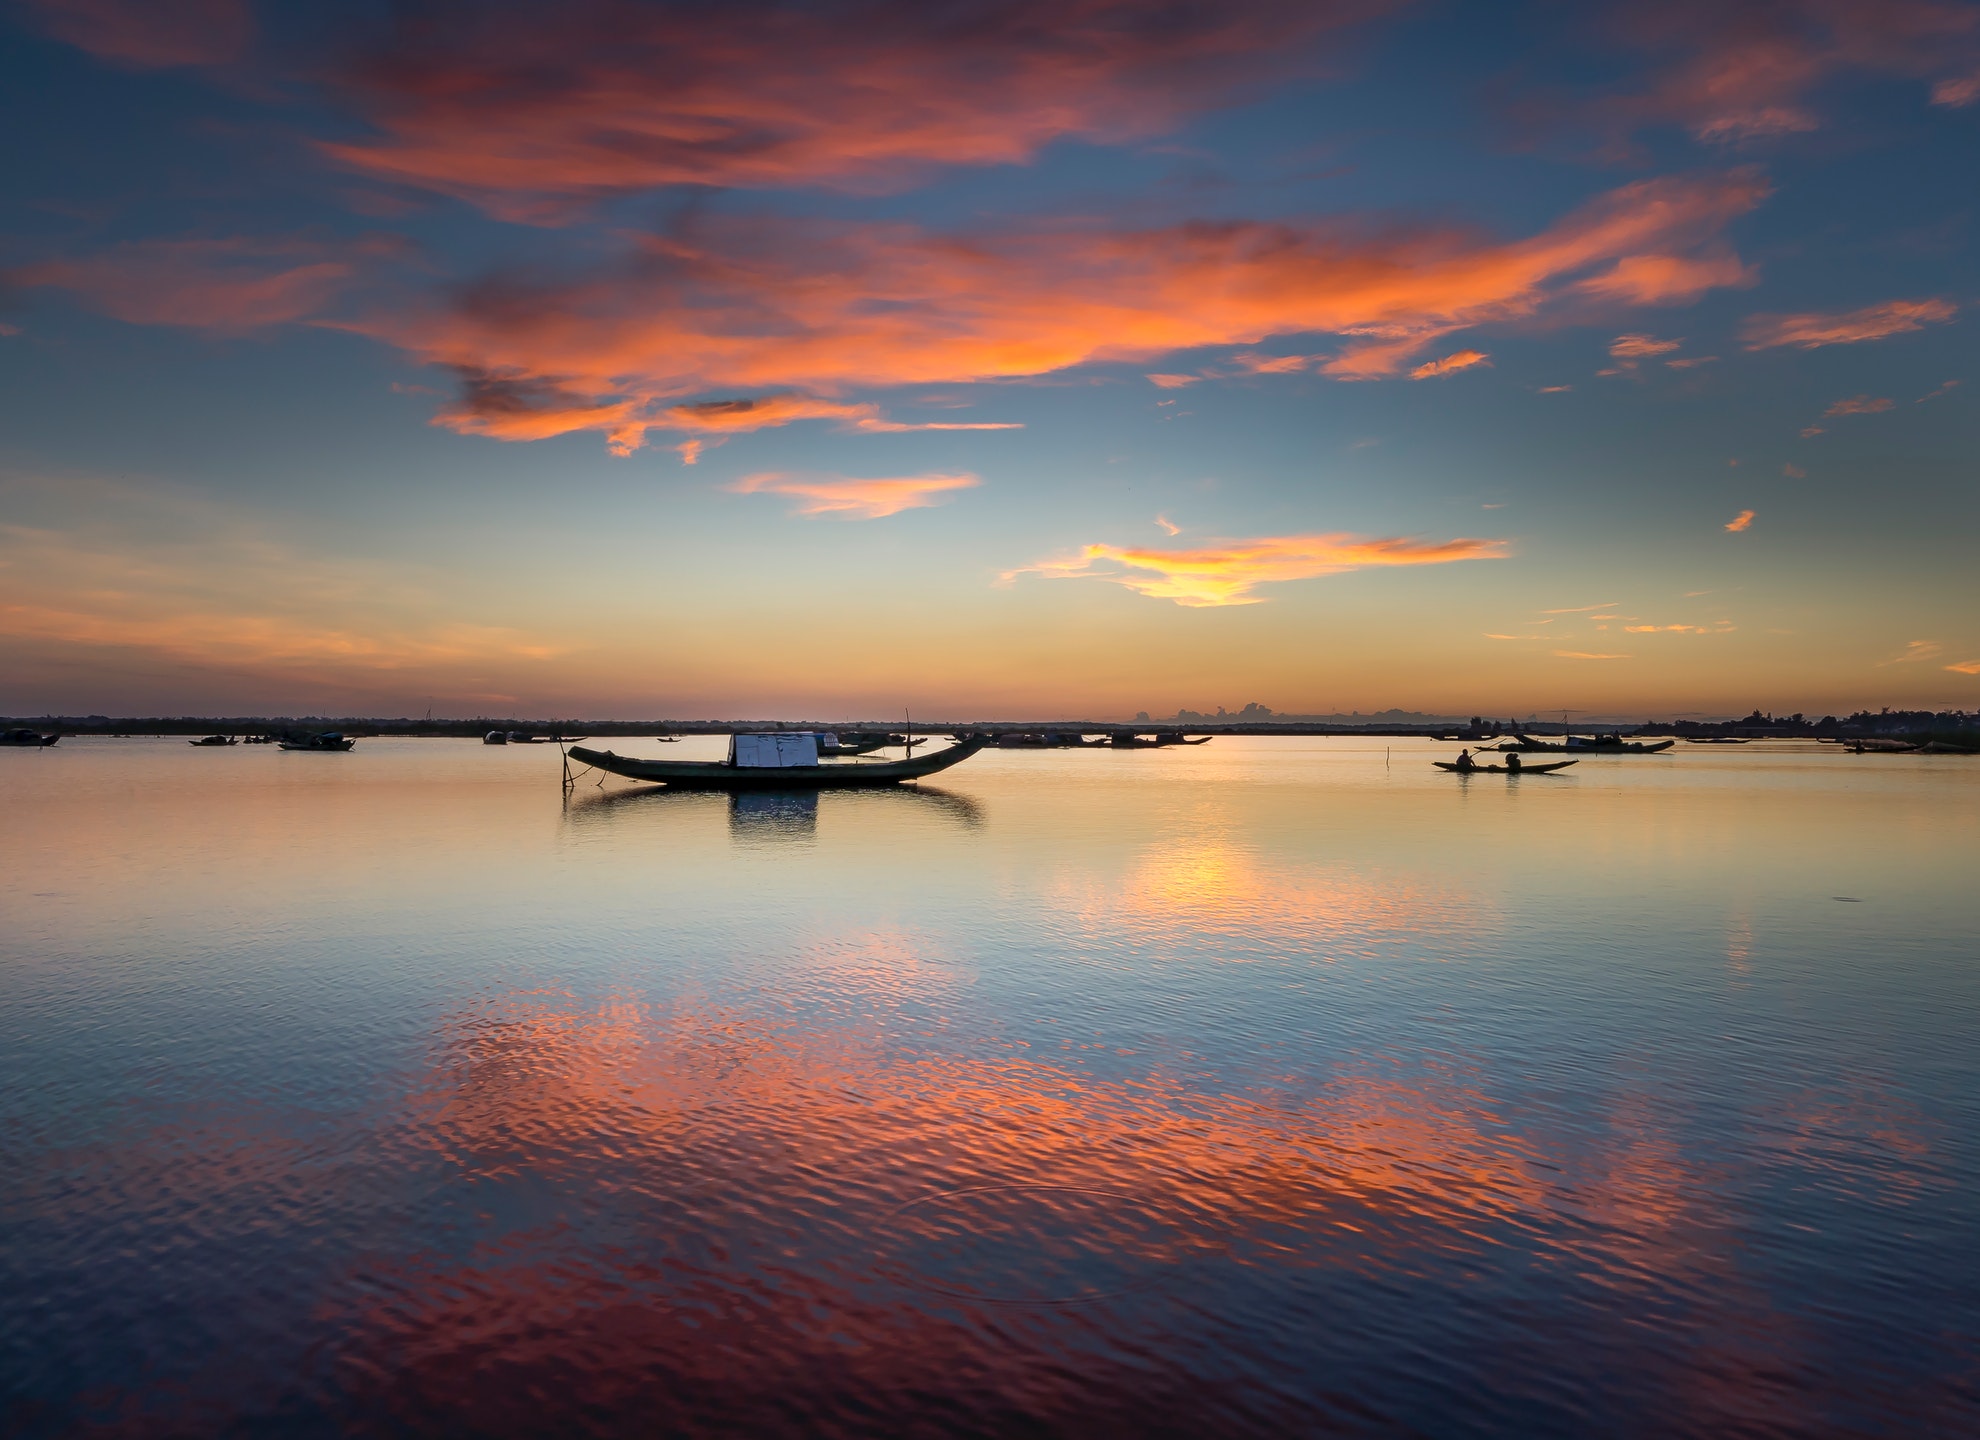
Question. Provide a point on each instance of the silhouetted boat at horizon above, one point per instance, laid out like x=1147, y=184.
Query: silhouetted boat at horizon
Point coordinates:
x=784, y=761
x=27, y=739
x=327, y=740
x=1588, y=745
x=213, y=742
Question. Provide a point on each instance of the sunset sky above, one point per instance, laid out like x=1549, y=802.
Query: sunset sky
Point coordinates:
x=994, y=360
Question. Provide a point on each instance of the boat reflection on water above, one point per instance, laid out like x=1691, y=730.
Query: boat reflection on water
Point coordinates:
x=758, y=817
x=773, y=816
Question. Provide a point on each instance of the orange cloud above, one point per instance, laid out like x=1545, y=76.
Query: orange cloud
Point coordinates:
x=855, y=499
x=1935, y=394
x=819, y=309
x=1450, y=364
x=1173, y=382
x=1169, y=527
x=1966, y=667
x=1719, y=629
x=1740, y=521
x=532, y=112
x=1691, y=362
x=1859, y=405
x=1580, y=609
x=1872, y=322
x=1225, y=573
x=150, y=34
x=1667, y=279
x=1588, y=655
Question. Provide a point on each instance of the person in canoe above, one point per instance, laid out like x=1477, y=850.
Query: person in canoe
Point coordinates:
x=1465, y=764
x=1512, y=763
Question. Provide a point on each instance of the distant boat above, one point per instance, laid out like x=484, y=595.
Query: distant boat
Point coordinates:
x=1544, y=768
x=1716, y=739
x=214, y=741
x=1592, y=744
x=784, y=761
x=27, y=738
x=327, y=740
x=495, y=737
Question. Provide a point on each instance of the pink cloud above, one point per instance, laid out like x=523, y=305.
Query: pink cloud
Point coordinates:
x=1872, y=322
x=1859, y=405
x=1740, y=521
x=229, y=286
x=1227, y=572
x=855, y=499
x=1172, y=382
x=150, y=34
x=532, y=111
x=1735, y=75
x=1956, y=94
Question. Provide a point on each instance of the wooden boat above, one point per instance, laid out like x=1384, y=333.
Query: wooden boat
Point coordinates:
x=27, y=738
x=1588, y=745
x=1716, y=739
x=328, y=740
x=728, y=775
x=1546, y=767
x=213, y=742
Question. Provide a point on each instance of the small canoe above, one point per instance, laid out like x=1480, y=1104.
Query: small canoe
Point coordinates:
x=720, y=775
x=1541, y=769
x=328, y=740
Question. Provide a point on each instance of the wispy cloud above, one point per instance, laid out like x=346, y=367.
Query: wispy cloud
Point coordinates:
x=1494, y=635
x=1956, y=94
x=1582, y=609
x=1227, y=572
x=1810, y=331
x=148, y=34
x=1689, y=362
x=1169, y=527
x=228, y=285
x=1858, y=405
x=1794, y=472
x=1965, y=667
x=1450, y=364
x=1720, y=627
x=1173, y=382
x=1554, y=389
x=1635, y=347
x=1935, y=394
x=1740, y=521
x=195, y=583
x=1914, y=651
x=1588, y=655
x=855, y=499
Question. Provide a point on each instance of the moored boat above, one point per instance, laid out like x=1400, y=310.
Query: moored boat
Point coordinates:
x=212, y=742
x=326, y=740
x=787, y=761
x=1588, y=745
x=27, y=738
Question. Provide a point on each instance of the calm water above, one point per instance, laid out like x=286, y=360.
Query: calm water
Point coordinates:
x=1264, y=1087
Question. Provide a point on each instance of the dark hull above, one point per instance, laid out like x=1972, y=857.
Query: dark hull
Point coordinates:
x=1541, y=769
x=713, y=775
x=1633, y=748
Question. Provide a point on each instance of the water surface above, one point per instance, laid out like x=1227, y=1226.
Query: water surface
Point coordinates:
x=1266, y=1086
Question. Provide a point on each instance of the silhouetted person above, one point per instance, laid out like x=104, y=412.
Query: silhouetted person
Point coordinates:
x=1464, y=761
x=1512, y=764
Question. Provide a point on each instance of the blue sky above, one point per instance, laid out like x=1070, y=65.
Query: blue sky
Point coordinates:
x=609, y=359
